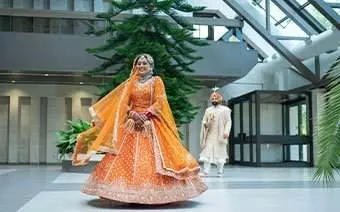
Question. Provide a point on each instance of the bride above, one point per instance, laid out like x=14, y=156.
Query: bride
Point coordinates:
x=145, y=161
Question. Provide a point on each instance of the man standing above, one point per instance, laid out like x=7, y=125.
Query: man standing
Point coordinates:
x=214, y=136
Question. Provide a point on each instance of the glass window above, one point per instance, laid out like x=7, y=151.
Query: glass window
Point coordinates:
x=22, y=24
x=294, y=152
x=100, y=6
x=80, y=26
x=5, y=4
x=42, y=4
x=55, y=25
x=66, y=26
x=219, y=31
x=337, y=10
x=236, y=119
x=276, y=13
x=62, y=5
x=332, y=1
x=70, y=5
x=280, y=19
x=318, y=16
x=246, y=117
x=27, y=4
x=293, y=120
x=99, y=24
x=83, y=5
x=253, y=105
x=5, y=23
x=303, y=127
x=286, y=22
x=270, y=118
x=62, y=26
x=301, y=2
x=41, y=25
x=201, y=31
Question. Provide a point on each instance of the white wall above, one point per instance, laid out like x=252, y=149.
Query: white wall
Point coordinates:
x=31, y=132
x=193, y=132
x=27, y=123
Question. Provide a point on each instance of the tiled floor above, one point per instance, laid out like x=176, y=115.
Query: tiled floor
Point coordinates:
x=5, y=171
x=46, y=188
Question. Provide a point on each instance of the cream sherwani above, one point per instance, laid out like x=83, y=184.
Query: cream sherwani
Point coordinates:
x=215, y=124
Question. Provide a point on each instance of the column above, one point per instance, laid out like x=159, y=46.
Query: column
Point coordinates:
x=13, y=129
x=55, y=121
x=35, y=129
x=76, y=108
x=24, y=129
x=4, y=109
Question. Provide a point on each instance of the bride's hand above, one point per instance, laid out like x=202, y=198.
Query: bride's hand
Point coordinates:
x=82, y=162
x=137, y=117
x=130, y=124
x=147, y=126
x=144, y=117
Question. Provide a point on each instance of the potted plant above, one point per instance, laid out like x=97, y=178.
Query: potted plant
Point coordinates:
x=328, y=136
x=67, y=138
x=66, y=142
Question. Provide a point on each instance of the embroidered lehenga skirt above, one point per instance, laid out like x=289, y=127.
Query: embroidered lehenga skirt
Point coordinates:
x=136, y=174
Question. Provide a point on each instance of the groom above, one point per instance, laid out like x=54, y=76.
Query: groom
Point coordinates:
x=215, y=129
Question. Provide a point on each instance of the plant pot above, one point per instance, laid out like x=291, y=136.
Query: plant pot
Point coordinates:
x=66, y=164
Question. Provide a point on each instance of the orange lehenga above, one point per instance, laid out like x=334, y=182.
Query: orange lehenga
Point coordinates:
x=148, y=166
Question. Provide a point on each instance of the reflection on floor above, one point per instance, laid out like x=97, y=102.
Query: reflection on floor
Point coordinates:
x=46, y=188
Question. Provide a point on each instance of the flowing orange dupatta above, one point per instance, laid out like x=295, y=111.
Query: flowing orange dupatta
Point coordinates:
x=110, y=114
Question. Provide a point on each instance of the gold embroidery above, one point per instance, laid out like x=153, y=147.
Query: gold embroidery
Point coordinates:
x=146, y=193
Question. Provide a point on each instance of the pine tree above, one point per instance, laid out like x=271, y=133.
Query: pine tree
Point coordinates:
x=169, y=40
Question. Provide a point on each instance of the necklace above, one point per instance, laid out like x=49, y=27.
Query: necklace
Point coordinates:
x=142, y=83
x=145, y=78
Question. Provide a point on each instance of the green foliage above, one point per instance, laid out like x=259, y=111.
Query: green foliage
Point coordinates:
x=67, y=138
x=169, y=42
x=329, y=129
